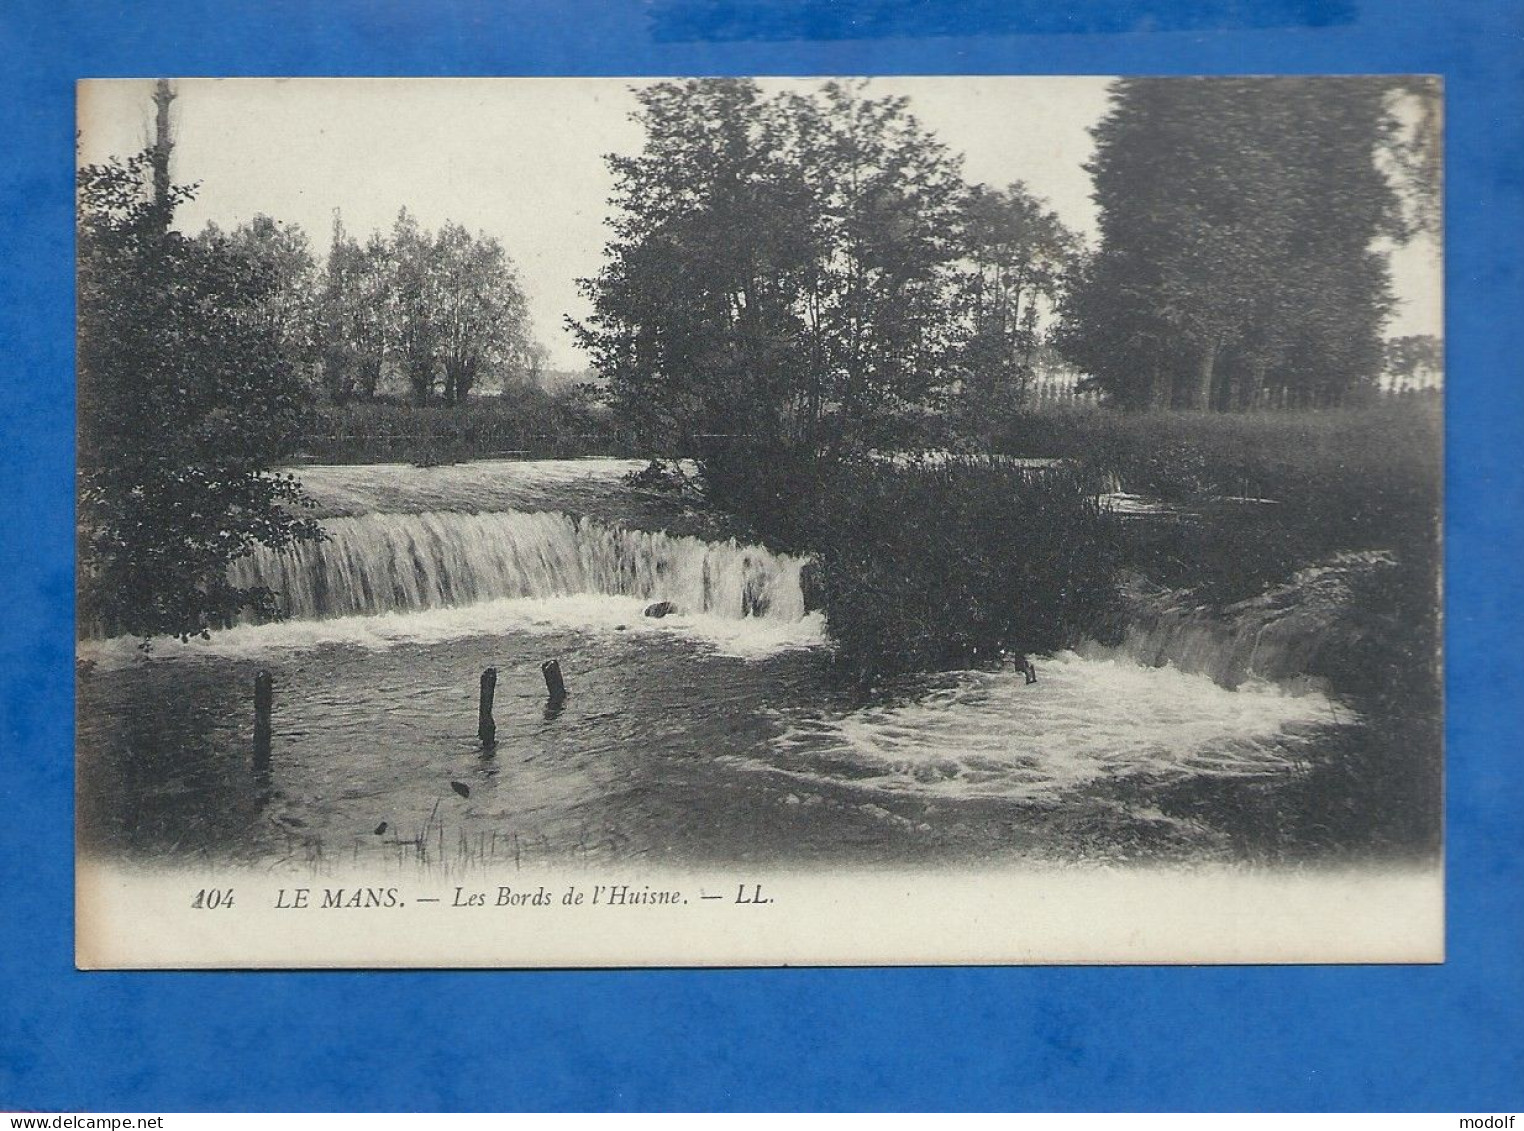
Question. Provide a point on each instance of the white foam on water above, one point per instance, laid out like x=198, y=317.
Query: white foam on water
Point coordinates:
x=1122, y=503
x=750, y=638
x=991, y=735
x=379, y=580
x=378, y=563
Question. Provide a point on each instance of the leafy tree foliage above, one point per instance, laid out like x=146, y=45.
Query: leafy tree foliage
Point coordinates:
x=782, y=268
x=887, y=202
x=483, y=317
x=807, y=275
x=1415, y=362
x=445, y=310
x=1413, y=153
x=414, y=309
x=695, y=323
x=186, y=397
x=1239, y=259
x=353, y=302
x=284, y=257
x=1018, y=255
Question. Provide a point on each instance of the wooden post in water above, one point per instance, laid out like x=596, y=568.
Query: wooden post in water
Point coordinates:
x=264, y=698
x=486, y=729
x=554, y=684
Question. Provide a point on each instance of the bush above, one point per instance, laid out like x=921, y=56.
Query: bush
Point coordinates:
x=955, y=562
x=186, y=401
x=776, y=490
x=934, y=563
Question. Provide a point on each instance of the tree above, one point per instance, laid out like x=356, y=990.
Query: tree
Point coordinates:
x=357, y=307
x=483, y=318
x=1017, y=256
x=889, y=197
x=1188, y=209
x=353, y=298
x=694, y=323
x=1415, y=362
x=1412, y=152
x=283, y=257
x=780, y=269
x=185, y=401
x=1239, y=225
x=446, y=309
x=414, y=305
x=537, y=367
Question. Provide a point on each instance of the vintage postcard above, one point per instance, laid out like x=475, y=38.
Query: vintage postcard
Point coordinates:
x=624, y=522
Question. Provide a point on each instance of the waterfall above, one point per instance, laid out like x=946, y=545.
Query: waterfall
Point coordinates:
x=379, y=563
x=1276, y=636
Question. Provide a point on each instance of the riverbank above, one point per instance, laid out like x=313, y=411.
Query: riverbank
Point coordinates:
x=1322, y=525
x=925, y=564
x=1253, y=498
x=728, y=731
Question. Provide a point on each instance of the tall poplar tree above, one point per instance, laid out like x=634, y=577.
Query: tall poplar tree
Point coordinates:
x=1240, y=258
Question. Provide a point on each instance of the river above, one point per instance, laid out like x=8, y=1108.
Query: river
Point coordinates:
x=712, y=736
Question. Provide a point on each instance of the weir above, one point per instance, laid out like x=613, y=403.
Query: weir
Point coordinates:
x=1277, y=636
x=1192, y=694
x=430, y=545
x=381, y=563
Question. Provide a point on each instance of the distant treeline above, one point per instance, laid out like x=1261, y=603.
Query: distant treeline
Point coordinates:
x=428, y=316
x=812, y=270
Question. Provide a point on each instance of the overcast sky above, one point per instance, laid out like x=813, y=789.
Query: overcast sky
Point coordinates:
x=522, y=160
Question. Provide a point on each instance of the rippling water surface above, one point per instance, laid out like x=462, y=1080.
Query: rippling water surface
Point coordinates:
x=713, y=735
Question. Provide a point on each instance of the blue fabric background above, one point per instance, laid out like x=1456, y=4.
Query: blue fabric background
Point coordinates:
x=1446, y=1038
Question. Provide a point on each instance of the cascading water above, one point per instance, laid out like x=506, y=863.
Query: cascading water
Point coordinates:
x=427, y=576
x=379, y=580
x=1276, y=636
x=380, y=563
x=1234, y=699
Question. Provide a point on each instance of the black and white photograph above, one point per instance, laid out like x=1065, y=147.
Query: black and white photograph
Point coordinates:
x=759, y=521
